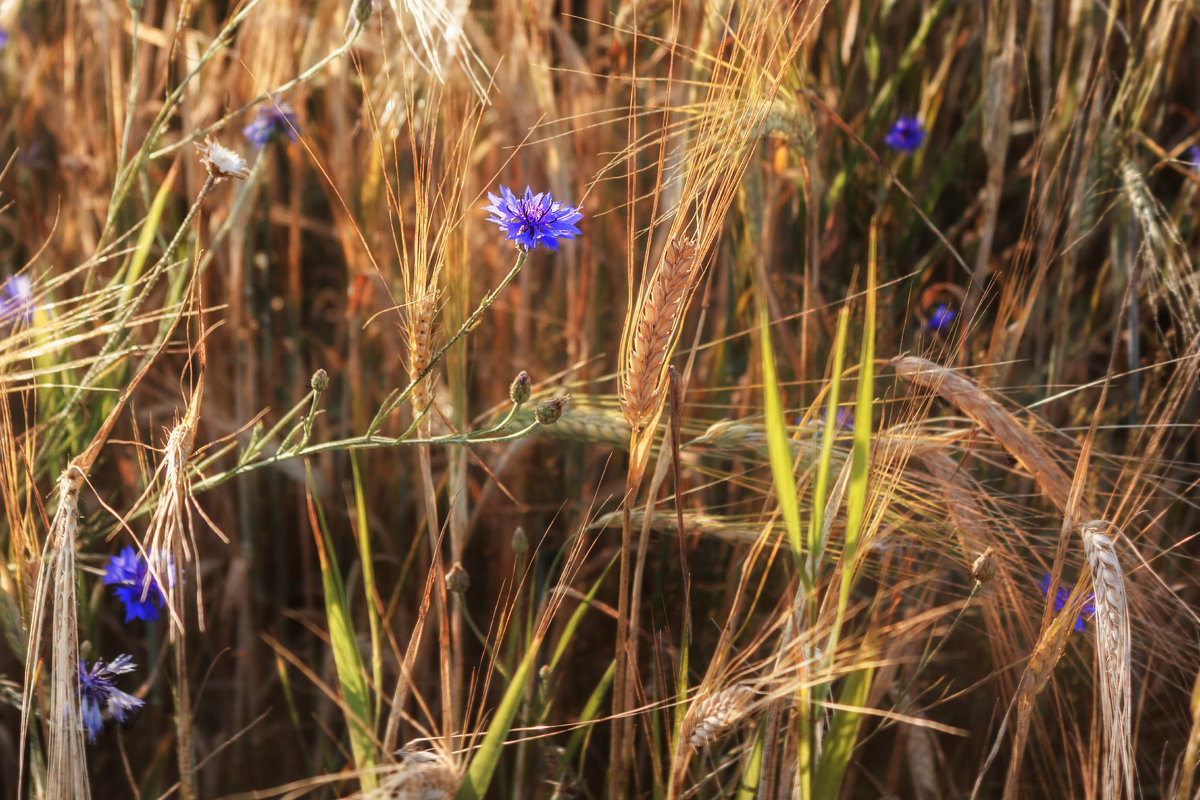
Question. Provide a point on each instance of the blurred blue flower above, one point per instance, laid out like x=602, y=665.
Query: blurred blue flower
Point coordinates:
x=127, y=571
x=16, y=300
x=96, y=693
x=533, y=220
x=3, y=37
x=1192, y=156
x=941, y=317
x=271, y=120
x=907, y=134
x=1063, y=595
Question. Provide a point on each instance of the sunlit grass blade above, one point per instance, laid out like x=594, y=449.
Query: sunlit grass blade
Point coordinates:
x=778, y=445
x=352, y=678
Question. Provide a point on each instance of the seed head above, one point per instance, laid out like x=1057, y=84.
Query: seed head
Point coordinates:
x=457, y=579
x=319, y=381
x=549, y=411
x=521, y=387
x=984, y=568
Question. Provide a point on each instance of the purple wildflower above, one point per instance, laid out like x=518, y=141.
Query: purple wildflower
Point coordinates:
x=3, y=37
x=271, y=121
x=941, y=317
x=127, y=571
x=1063, y=595
x=907, y=134
x=533, y=220
x=16, y=300
x=96, y=692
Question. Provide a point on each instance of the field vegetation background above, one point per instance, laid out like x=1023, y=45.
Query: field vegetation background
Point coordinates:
x=847, y=450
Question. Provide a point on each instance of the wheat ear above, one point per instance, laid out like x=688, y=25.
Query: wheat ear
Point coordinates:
x=66, y=772
x=713, y=716
x=657, y=323
x=1113, y=661
x=420, y=331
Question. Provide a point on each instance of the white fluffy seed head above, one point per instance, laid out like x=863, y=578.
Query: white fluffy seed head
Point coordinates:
x=220, y=161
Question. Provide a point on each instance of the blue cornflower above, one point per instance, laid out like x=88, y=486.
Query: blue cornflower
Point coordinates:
x=907, y=134
x=1063, y=595
x=533, y=220
x=1192, y=156
x=16, y=300
x=3, y=37
x=941, y=317
x=96, y=692
x=128, y=572
x=272, y=120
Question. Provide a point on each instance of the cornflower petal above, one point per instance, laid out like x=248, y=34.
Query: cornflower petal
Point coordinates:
x=907, y=134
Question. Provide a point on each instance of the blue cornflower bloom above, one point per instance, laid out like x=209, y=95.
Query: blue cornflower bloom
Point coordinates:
x=16, y=300
x=907, y=134
x=1192, y=156
x=941, y=317
x=272, y=120
x=128, y=572
x=96, y=692
x=1063, y=595
x=3, y=37
x=533, y=220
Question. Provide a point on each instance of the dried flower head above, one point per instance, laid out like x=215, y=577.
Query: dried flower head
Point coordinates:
x=271, y=121
x=906, y=134
x=97, y=693
x=533, y=220
x=220, y=161
x=457, y=579
x=984, y=568
x=1063, y=595
x=135, y=587
x=1191, y=157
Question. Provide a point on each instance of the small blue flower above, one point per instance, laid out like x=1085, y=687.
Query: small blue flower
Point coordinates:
x=16, y=300
x=3, y=37
x=533, y=220
x=271, y=121
x=907, y=134
x=96, y=692
x=1191, y=156
x=941, y=317
x=1063, y=595
x=127, y=571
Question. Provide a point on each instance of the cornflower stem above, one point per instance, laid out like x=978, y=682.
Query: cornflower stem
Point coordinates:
x=281, y=89
x=394, y=400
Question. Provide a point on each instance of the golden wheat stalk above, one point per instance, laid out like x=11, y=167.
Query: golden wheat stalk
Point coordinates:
x=66, y=770
x=419, y=329
x=1113, y=659
x=658, y=320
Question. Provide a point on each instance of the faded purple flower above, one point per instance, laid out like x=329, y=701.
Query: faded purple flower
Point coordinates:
x=16, y=300
x=533, y=220
x=271, y=121
x=97, y=693
x=1191, y=156
x=906, y=134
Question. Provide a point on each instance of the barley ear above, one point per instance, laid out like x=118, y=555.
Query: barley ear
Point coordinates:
x=1113, y=661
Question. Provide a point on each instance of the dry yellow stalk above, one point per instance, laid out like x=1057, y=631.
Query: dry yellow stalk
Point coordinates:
x=657, y=323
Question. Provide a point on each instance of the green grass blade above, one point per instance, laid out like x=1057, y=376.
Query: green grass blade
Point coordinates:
x=816, y=523
x=843, y=733
x=369, y=587
x=778, y=445
x=346, y=657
